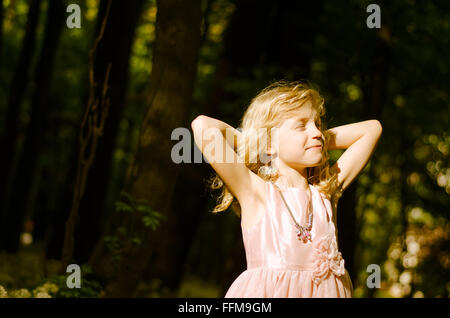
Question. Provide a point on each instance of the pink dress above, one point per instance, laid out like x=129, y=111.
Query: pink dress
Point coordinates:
x=279, y=264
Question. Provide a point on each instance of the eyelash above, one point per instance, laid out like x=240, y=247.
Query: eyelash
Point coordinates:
x=317, y=123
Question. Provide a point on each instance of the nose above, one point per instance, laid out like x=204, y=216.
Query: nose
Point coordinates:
x=316, y=133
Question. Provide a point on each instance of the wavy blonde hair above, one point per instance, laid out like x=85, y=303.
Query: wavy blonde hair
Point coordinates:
x=269, y=108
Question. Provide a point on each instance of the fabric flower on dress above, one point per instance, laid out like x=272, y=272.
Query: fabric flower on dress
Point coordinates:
x=327, y=259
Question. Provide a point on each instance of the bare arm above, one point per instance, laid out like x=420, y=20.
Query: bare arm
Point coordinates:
x=226, y=130
x=239, y=179
x=359, y=139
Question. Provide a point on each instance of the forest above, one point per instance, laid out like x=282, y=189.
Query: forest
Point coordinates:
x=88, y=105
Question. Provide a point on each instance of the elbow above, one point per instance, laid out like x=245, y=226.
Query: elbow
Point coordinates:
x=197, y=122
x=377, y=127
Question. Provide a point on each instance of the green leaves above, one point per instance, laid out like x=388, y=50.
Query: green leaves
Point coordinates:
x=123, y=207
x=139, y=209
x=136, y=217
x=152, y=218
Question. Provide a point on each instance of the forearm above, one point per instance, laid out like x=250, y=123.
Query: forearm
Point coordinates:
x=202, y=123
x=342, y=137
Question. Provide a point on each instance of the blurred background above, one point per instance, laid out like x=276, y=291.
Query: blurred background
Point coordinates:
x=86, y=116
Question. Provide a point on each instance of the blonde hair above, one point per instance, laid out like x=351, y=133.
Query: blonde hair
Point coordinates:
x=269, y=108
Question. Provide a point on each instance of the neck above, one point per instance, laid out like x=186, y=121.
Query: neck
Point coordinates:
x=291, y=177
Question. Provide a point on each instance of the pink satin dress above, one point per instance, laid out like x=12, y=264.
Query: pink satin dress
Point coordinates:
x=279, y=265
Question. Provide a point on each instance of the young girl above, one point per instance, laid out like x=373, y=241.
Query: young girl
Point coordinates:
x=287, y=193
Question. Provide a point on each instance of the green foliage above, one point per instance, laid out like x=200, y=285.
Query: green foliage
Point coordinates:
x=89, y=287
x=113, y=245
x=136, y=216
x=23, y=275
x=148, y=216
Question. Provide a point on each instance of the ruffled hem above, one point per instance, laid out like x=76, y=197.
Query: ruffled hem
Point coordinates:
x=265, y=282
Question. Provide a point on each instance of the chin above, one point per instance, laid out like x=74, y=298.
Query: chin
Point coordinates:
x=317, y=163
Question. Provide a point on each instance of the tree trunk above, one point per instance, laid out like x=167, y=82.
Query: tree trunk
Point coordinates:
x=28, y=169
x=10, y=132
x=55, y=234
x=176, y=235
x=168, y=259
x=153, y=174
x=1, y=36
x=346, y=228
x=113, y=49
x=374, y=84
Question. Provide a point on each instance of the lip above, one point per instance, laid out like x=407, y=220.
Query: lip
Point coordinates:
x=315, y=147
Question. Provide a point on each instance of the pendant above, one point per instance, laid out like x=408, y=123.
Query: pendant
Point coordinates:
x=304, y=235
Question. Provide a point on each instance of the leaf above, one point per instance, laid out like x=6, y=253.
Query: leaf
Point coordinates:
x=136, y=240
x=127, y=196
x=144, y=209
x=123, y=207
x=142, y=202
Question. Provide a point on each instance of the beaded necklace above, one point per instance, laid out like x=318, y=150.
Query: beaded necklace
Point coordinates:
x=303, y=232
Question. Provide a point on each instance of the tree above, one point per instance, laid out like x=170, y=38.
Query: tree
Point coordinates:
x=113, y=49
x=152, y=176
x=32, y=148
x=1, y=30
x=9, y=138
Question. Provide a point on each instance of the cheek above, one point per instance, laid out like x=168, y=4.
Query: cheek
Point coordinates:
x=292, y=150
x=291, y=145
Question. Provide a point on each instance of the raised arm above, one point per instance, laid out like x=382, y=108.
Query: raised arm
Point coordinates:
x=359, y=139
x=216, y=140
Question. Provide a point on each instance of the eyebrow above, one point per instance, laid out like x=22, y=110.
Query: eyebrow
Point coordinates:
x=304, y=118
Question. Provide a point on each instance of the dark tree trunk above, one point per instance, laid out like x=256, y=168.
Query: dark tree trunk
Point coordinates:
x=1, y=35
x=176, y=235
x=41, y=113
x=55, y=234
x=346, y=228
x=114, y=49
x=28, y=169
x=168, y=259
x=10, y=132
x=153, y=174
x=374, y=83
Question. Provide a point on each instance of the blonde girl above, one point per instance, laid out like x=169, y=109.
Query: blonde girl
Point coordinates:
x=281, y=184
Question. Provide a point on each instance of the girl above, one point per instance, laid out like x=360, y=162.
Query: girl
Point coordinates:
x=286, y=191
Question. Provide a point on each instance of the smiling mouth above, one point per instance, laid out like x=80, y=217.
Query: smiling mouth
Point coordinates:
x=314, y=147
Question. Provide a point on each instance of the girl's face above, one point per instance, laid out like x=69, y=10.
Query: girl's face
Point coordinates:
x=300, y=140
